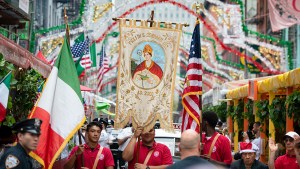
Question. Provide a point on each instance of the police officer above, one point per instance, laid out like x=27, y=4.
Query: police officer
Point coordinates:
x=28, y=133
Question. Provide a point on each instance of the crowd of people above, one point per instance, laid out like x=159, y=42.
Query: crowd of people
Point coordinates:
x=213, y=151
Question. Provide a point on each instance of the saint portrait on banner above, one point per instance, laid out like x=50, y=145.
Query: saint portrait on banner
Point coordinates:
x=147, y=68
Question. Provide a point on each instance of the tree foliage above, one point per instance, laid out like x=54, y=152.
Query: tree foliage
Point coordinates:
x=220, y=110
x=23, y=91
x=293, y=104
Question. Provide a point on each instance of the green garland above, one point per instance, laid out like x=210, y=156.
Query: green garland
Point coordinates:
x=286, y=44
x=76, y=22
x=238, y=114
x=230, y=111
x=277, y=113
x=293, y=104
x=249, y=114
x=262, y=110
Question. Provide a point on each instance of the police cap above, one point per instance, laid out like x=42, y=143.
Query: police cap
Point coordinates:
x=29, y=125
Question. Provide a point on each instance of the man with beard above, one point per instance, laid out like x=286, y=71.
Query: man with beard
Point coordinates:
x=94, y=156
x=287, y=161
x=216, y=147
x=28, y=134
x=152, y=155
x=248, y=161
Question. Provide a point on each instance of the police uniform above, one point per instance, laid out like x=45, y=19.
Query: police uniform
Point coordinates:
x=16, y=157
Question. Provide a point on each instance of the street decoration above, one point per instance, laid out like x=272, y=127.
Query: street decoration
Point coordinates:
x=283, y=14
x=103, y=9
x=271, y=39
x=233, y=33
x=146, y=74
x=209, y=27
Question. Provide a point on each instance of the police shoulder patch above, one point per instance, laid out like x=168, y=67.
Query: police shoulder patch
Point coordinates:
x=11, y=161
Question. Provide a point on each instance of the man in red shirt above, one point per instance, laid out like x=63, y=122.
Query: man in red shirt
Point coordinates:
x=152, y=155
x=216, y=147
x=94, y=156
x=287, y=161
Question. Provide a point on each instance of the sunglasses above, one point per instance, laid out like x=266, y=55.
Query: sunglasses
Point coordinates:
x=289, y=140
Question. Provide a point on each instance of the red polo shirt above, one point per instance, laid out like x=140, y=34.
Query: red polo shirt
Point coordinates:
x=161, y=155
x=221, y=151
x=89, y=156
x=286, y=162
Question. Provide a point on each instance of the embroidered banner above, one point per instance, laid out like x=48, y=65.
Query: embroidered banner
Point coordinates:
x=146, y=74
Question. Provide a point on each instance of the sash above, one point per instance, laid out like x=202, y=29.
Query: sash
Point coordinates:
x=97, y=158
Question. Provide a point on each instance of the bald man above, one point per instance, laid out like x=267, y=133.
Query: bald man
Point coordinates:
x=190, y=151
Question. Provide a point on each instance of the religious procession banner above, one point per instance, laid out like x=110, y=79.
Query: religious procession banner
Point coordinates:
x=146, y=74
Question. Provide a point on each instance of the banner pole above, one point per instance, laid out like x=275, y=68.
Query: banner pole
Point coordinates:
x=139, y=138
x=138, y=150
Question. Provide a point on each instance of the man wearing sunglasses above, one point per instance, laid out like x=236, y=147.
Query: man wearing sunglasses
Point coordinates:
x=152, y=155
x=287, y=161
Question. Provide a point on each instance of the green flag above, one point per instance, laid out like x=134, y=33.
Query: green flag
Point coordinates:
x=79, y=67
x=80, y=38
x=93, y=54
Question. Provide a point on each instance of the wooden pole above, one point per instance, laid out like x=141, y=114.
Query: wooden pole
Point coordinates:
x=139, y=138
x=138, y=150
x=68, y=39
x=67, y=26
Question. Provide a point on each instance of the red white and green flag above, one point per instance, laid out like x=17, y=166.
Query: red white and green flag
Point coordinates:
x=4, y=93
x=60, y=107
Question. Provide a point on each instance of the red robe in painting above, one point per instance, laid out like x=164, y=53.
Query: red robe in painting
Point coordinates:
x=153, y=68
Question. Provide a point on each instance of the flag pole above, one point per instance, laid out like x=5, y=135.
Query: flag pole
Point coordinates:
x=5, y=77
x=198, y=7
x=68, y=40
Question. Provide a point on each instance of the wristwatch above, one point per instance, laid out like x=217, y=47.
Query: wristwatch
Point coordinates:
x=147, y=167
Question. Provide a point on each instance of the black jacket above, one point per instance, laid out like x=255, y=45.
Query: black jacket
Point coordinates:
x=239, y=164
x=16, y=158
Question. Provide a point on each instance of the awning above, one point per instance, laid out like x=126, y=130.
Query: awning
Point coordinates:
x=272, y=83
x=21, y=57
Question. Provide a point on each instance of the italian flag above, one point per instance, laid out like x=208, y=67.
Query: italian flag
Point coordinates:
x=4, y=93
x=60, y=108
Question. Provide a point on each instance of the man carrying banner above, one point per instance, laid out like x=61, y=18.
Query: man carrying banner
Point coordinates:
x=93, y=155
x=28, y=134
x=152, y=155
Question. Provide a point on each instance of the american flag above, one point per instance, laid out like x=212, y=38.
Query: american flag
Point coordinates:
x=78, y=50
x=103, y=67
x=82, y=49
x=193, y=86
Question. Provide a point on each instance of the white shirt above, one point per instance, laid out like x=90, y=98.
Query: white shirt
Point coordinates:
x=257, y=141
x=105, y=138
x=123, y=134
